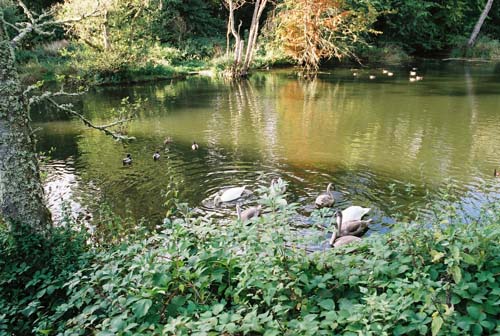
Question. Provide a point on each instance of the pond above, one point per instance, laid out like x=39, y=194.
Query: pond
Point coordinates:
x=370, y=137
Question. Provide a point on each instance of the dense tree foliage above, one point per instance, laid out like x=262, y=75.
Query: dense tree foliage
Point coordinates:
x=312, y=31
x=145, y=37
x=431, y=26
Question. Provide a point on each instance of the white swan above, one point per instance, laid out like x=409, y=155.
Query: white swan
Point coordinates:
x=229, y=195
x=354, y=213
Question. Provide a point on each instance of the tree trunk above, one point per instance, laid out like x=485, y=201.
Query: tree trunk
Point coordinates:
x=479, y=24
x=21, y=191
x=254, y=31
x=105, y=35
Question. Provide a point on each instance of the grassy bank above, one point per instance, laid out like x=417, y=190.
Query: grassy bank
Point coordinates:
x=196, y=276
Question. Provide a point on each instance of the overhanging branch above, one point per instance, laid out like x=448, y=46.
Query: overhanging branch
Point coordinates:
x=40, y=24
x=103, y=128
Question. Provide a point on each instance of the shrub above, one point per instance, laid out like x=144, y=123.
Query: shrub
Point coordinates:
x=203, y=277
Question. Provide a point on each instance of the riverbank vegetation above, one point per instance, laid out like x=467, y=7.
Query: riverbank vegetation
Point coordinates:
x=435, y=274
x=438, y=275
x=127, y=41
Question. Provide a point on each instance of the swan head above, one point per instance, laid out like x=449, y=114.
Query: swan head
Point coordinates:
x=330, y=187
x=217, y=200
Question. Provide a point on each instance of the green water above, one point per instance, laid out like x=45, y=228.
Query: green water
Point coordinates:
x=362, y=135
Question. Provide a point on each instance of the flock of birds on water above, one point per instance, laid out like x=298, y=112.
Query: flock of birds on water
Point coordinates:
x=350, y=225
x=414, y=76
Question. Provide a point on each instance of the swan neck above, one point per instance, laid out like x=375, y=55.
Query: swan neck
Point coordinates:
x=339, y=222
x=238, y=211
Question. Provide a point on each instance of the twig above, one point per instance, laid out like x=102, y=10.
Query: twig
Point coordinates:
x=104, y=128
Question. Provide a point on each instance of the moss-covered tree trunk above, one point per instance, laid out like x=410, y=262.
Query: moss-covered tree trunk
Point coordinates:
x=21, y=192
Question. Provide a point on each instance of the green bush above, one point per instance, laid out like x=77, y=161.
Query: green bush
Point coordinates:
x=484, y=48
x=33, y=271
x=384, y=53
x=203, y=277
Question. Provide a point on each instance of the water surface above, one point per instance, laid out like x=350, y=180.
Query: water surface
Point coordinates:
x=368, y=137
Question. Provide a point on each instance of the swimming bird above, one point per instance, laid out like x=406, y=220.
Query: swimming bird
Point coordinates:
x=419, y=78
x=325, y=199
x=384, y=71
x=168, y=141
x=355, y=227
x=127, y=161
x=337, y=240
x=249, y=213
x=278, y=187
x=229, y=195
x=390, y=74
x=372, y=77
x=354, y=212
x=413, y=73
x=412, y=79
x=156, y=156
x=194, y=146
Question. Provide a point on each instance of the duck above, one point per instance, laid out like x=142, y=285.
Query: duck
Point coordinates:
x=384, y=71
x=419, y=78
x=247, y=214
x=194, y=146
x=325, y=199
x=156, y=156
x=413, y=73
x=372, y=77
x=337, y=240
x=354, y=213
x=496, y=173
x=390, y=74
x=127, y=161
x=168, y=141
x=229, y=195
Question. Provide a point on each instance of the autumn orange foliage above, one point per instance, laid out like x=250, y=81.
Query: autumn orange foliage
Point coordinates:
x=312, y=30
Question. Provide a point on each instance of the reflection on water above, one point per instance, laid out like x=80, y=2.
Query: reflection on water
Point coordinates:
x=363, y=135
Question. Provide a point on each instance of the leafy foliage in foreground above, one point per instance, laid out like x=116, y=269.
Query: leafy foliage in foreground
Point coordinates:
x=210, y=278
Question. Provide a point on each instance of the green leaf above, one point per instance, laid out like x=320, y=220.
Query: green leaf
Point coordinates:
x=327, y=304
x=437, y=323
x=217, y=308
x=141, y=307
x=456, y=272
x=117, y=323
x=474, y=312
x=469, y=259
x=436, y=256
x=477, y=329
